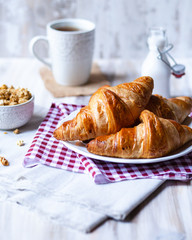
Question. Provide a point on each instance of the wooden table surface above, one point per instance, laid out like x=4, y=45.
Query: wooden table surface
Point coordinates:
x=166, y=214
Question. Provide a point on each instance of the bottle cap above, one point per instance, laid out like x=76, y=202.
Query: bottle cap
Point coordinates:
x=178, y=70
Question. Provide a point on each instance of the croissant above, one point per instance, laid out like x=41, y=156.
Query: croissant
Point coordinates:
x=173, y=108
x=153, y=137
x=109, y=109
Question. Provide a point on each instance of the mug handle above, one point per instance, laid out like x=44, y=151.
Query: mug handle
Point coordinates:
x=32, y=45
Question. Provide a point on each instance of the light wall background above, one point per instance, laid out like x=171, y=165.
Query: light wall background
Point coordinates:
x=121, y=25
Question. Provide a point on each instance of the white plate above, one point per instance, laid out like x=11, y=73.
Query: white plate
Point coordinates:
x=81, y=149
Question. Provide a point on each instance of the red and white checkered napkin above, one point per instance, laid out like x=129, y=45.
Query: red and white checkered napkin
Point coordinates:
x=47, y=150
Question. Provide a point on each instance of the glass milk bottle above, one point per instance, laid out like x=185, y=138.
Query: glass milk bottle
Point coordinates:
x=155, y=67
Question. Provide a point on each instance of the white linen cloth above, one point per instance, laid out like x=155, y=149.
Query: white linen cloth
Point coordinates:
x=67, y=198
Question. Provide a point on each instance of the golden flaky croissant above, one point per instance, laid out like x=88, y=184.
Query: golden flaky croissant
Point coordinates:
x=153, y=137
x=173, y=108
x=109, y=109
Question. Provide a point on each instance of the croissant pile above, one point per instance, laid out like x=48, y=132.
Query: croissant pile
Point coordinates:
x=127, y=121
x=109, y=110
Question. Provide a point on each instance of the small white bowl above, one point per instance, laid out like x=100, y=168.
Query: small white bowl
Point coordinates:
x=17, y=115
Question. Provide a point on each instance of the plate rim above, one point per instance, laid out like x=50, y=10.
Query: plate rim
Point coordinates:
x=71, y=145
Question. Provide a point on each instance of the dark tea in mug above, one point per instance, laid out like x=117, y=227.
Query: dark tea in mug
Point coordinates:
x=67, y=29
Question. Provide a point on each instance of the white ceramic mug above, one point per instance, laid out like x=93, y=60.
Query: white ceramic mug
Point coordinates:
x=71, y=46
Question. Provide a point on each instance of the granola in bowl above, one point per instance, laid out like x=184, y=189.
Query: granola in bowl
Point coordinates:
x=16, y=107
x=10, y=96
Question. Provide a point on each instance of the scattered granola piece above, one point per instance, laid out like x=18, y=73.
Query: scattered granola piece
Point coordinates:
x=16, y=131
x=4, y=161
x=5, y=132
x=20, y=143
